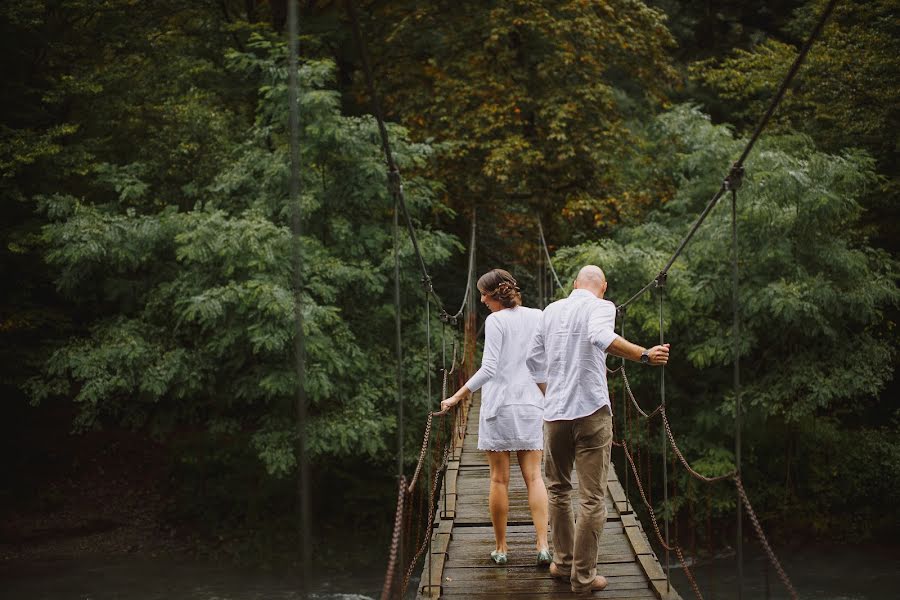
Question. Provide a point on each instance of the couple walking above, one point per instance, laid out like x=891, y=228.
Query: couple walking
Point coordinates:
x=544, y=380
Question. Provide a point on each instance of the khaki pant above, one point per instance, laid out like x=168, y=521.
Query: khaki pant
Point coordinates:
x=586, y=443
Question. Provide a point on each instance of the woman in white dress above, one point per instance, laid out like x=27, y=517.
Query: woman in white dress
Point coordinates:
x=511, y=418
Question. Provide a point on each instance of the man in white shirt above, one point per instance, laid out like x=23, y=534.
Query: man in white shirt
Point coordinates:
x=567, y=360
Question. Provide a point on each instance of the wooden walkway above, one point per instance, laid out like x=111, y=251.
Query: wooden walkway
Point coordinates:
x=459, y=565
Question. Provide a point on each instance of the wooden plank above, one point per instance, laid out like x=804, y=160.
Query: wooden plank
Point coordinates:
x=463, y=539
x=433, y=566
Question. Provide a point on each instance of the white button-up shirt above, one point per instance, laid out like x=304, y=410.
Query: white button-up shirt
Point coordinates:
x=503, y=373
x=568, y=353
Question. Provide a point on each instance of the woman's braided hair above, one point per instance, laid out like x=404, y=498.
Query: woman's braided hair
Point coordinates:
x=501, y=286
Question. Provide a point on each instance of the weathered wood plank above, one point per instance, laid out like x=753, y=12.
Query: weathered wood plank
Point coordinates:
x=463, y=538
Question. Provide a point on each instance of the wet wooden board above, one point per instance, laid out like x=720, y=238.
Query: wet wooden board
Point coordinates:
x=459, y=565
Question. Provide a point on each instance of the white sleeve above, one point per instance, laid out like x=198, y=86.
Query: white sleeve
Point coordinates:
x=493, y=342
x=602, y=324
x=536, y=359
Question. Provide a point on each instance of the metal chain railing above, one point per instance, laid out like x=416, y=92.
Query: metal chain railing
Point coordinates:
x=776, y=564
x=630, y=395
x=426, y=438
x=730, y=182
x=684, y=461
x=431, y=510
x=395, y=541
x=733, y=476
x=659, y=536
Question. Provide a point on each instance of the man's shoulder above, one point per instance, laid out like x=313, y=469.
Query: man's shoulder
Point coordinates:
x=554, y=306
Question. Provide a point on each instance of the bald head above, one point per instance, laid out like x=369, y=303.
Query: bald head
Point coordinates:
x=592, y=279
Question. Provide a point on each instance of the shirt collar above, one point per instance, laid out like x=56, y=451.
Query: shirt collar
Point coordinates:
x=579, y=293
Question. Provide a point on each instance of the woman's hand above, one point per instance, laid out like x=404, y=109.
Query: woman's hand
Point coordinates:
x=449, y=403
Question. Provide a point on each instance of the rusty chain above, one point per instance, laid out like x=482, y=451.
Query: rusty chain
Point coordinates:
x=423, y=451
x=444, y=461
x=684, y=461
x=773, y=559
x=634, y=400
x=659, y=536
x=395, y=541
x=762, y=538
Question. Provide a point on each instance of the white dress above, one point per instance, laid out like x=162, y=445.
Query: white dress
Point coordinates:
x=511, y=404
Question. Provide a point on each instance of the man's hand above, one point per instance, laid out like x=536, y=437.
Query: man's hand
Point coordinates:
x=659, y=355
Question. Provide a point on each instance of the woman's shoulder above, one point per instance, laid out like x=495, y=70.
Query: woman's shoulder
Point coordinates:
x=531, y=312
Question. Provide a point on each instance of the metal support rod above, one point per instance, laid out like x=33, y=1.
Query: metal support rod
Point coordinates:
x=303, y=488
x=399, y=356
x=665, y=441
x=547, y=254
x=737, y=390
x=428, y=466
x=624, y=410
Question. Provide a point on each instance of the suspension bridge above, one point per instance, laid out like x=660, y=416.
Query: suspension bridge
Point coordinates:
x=442, y=529
x=455, y=566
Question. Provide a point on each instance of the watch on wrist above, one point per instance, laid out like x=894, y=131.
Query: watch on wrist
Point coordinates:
x=645, y=357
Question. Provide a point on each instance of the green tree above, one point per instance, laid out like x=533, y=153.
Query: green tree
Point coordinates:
x=845, y=96
x=194, y=308
x=530, y=100
x=813, y=299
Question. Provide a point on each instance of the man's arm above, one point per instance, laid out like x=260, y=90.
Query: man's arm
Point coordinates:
x=602, y=331
x=659, y=355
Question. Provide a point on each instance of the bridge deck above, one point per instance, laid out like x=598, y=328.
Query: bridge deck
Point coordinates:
x=459, y=566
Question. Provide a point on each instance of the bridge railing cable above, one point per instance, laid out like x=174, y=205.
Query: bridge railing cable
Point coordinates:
x=395, y=182
x=733, y=178
x=547, y=255
x=733, y=476
x=732, y=182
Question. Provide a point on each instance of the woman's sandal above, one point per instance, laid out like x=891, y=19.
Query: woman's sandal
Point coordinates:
x=498, y=557
x=544, y=558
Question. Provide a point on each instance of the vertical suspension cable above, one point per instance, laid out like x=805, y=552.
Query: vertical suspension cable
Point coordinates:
x=399, y=354
x=539, y=277
x=624, y=410
x=547, y=255
x=665, y=441
x=303, y=501
x=737, y=387
x=428, y=466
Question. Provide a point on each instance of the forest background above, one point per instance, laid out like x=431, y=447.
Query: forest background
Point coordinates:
x=147, y=314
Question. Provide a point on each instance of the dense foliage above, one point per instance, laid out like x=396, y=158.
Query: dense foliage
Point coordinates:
x=147, y=247
x=812, y=295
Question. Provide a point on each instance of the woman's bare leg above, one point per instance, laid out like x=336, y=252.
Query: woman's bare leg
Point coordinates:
x=530, y=463
x=498, y=500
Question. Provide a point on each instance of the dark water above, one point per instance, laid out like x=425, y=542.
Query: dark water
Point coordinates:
x=817, y=573
x=165, y=579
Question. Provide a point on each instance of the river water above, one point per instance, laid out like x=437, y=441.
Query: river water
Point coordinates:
x=818, y=572
x=168, y=579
